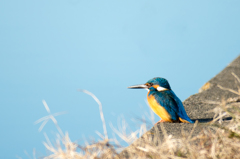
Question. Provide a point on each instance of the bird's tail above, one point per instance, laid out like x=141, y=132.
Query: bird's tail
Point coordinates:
x=185, y=121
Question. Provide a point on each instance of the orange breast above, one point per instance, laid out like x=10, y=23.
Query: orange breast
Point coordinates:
x=158, y=109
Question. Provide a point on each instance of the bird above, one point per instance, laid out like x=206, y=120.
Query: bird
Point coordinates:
x=163, y=101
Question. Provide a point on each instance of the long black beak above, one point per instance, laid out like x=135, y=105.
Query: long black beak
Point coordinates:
x=141, y=86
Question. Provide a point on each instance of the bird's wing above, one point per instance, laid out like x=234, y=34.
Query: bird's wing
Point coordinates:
x=172, y=104
x=165, y=100
x=181, y=111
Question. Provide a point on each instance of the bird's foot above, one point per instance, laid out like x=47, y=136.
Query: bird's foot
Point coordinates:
x=160, y=121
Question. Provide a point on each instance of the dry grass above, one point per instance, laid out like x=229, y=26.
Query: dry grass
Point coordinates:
x=221, y=141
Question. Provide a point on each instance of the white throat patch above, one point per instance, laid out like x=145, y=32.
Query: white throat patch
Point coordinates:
x=161, y=89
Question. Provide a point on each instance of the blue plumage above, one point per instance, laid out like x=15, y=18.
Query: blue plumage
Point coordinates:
x=171, y=103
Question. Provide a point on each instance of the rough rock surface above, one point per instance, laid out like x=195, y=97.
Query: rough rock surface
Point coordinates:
x=197, y=107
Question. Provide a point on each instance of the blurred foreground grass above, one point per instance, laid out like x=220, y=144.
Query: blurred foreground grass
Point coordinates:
x=223, y=142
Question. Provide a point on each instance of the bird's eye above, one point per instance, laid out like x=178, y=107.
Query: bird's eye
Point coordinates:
x=149, y=84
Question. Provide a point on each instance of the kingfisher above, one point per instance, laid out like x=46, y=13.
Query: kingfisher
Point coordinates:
x=163, y=101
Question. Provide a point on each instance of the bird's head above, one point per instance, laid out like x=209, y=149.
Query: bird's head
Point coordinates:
x=157, y=83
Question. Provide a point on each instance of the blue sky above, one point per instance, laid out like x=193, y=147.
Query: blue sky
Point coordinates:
x=51, y=48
